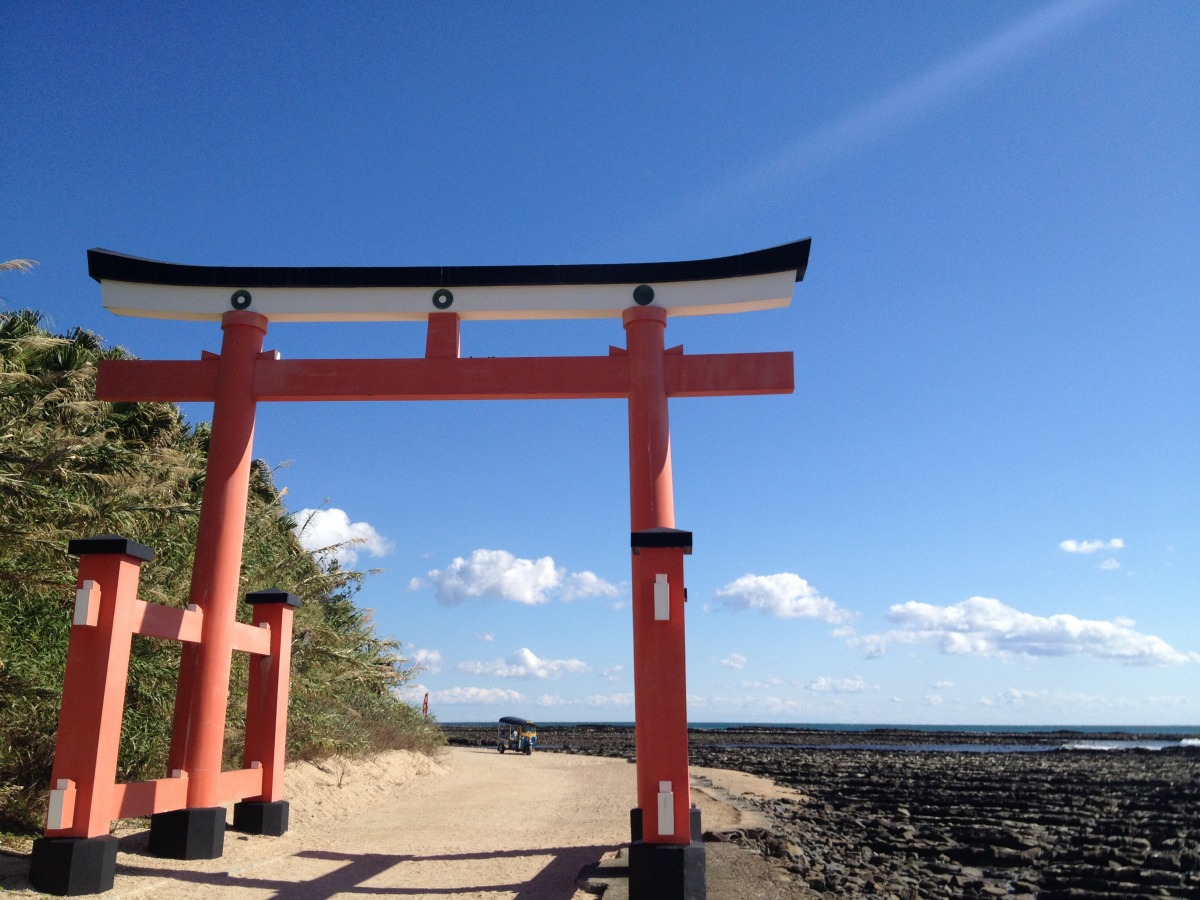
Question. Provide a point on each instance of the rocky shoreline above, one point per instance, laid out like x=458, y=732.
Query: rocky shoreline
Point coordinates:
x=888, y=816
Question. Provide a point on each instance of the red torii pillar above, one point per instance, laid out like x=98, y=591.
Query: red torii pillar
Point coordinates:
x=666, y=856
x=202, y=695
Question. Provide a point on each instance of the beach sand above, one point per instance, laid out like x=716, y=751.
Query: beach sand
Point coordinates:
x=889, y=819
x=470, y=823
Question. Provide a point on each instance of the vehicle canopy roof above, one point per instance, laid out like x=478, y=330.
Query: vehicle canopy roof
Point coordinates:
x=513, y=720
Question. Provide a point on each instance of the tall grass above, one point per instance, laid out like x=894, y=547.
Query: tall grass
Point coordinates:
x=72, y=466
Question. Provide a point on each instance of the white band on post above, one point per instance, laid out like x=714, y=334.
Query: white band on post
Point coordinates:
x=87, y=604
x=61, y=812
x=662, y=598
x=666, y=808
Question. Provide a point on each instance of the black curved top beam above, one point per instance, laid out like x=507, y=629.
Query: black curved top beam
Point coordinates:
x=106, y=265
x=762, y=279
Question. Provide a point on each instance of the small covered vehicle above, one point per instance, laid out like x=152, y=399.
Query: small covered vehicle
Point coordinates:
x=518, y=735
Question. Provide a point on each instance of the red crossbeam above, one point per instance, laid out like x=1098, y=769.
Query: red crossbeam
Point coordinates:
x=529, y=378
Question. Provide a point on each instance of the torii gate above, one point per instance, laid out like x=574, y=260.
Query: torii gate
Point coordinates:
x=666, y=856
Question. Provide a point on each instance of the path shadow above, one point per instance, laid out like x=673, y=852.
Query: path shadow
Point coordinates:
x=14, y=870
x=554, y=881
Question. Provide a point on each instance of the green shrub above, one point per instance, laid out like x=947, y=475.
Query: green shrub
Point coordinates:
x=72, y=466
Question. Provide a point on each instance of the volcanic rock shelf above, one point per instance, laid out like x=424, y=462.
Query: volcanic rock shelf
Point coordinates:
x=1008, y=813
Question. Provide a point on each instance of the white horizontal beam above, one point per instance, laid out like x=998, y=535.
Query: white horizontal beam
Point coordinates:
x=383, y=304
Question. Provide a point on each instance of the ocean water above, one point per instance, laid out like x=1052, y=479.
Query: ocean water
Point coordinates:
x=951, y=747
x=1132, y=730
x=1131, y=744
x=1072, y=737
x=1086, y=738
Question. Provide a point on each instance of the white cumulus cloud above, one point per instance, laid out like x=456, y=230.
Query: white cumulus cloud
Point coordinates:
x=872, y=646
x=609, y=700
x=429, y=660
x=606, y=701
x=331, y=535
x=1013, y=697
x=771, y=681
x=580, y=585
x=1071, y=546
x=496, y=574
x=855, y=685
x=733, y=661
x=983, y=626
x=613, y=673
x=412, y=693
x=526, y=664
x=784, y=595
x=457, y=695
x=499, y=575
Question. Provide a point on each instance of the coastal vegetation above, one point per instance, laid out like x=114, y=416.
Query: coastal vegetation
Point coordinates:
x=72, y=466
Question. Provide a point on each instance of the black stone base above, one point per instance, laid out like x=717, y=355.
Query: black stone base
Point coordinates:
x=69, y=867
x=667, y=871
x=188, y=833
x=254, y=817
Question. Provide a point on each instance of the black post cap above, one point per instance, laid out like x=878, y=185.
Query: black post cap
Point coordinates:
x=273, y=595
x=666, y=538
x=109, y=543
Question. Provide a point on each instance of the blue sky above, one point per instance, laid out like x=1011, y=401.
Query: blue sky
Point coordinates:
x=979, y=506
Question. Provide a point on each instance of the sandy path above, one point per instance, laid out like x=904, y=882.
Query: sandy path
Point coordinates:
x=480, y=825
x=473, y=824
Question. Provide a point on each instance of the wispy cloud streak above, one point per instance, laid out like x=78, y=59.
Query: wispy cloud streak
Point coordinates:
x=781, y=170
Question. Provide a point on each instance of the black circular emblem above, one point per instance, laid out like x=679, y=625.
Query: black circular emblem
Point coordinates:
x=240, y=299
x=643, y=294
x=442, y=298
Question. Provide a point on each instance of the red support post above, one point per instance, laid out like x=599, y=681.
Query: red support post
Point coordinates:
x=442, y=338
x=266, y=715
x=202, y=695
x=651, y=498
x=666, y=858
x=93, y=703
x=660, y=693
x=77, y=854
x=267, y=694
